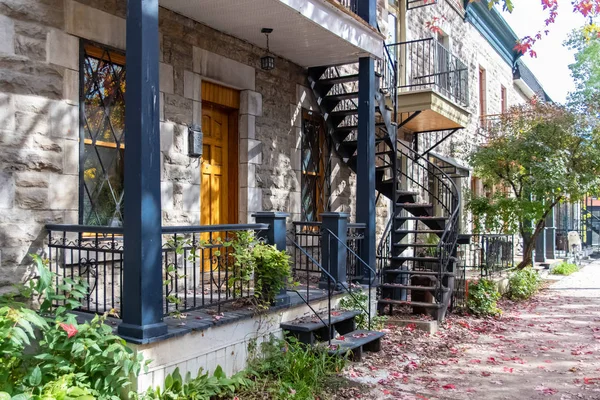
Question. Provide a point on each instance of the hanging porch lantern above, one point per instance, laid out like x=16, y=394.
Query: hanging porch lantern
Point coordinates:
x=267, y=62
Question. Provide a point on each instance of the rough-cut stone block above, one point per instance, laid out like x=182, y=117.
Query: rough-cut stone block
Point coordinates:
x=166, y=83
x=178, y=109
x=222, y=69
x=7, y=35
x=93, y=24
x=251, y=103
x=63, y=192
x=192, y=86
x=30, y=123
x=7, y=190
x=47, y=12
x=247, y=126
x=71, y=87
x=305, y=98
x=34, y=49
x=32, y=198
x=62, y=49
x=71, y=157
x=251, y=151
x=23, y=76
x=166, y=191
x=191, y=198
x=31, y=179
x=161, y=106
x=197, y=113
x=7, y=112
x=64, y=120
x=166, y=136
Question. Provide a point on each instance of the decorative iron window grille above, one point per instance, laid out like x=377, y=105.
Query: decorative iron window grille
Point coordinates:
x=102, y=136
x=316, y=167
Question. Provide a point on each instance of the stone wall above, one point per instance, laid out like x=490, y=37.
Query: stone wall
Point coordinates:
x=39, y=110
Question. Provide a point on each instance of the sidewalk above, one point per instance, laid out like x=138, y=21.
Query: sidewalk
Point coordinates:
x=548, y=347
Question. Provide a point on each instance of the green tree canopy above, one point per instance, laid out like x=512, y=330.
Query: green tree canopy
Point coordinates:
x=542, y=154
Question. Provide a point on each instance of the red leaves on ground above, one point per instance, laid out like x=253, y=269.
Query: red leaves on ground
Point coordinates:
x=449, y=387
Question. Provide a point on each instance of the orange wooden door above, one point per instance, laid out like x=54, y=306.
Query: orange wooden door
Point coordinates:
x=214, y=205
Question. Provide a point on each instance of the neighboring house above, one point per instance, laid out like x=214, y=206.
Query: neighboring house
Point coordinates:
x=268, y=114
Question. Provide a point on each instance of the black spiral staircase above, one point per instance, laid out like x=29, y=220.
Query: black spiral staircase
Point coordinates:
x=415, y=254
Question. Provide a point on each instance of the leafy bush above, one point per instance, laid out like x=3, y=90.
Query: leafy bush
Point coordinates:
x=359, y=301
x=203, y=387
x=273, y=271
x=523, y=284
x=565, y=268
x=287, y=369
x=483, y=298
x=46, y=354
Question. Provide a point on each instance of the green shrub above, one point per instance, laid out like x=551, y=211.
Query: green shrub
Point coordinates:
x=273, y=271
x=359, y=301
x=287, y=369
x=203, y=387
x=46, y=354
x=483, y=298
x=565, y=268
x=523, y=284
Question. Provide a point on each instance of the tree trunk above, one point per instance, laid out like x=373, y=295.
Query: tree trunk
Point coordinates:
x=529, y=241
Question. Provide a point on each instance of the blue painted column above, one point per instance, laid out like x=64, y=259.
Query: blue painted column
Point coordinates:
x=365, y=165
x=142, y=303
x=276, y=234
x=540, y=247
x=334, y=253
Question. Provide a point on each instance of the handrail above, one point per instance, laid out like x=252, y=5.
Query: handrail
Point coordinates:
x=331, y=279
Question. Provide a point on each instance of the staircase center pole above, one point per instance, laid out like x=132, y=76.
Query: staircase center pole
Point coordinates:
x=365, y=168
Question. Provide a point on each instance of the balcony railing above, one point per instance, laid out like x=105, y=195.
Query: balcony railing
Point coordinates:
x=198, y=269
x=351, y=5
x=427, y=64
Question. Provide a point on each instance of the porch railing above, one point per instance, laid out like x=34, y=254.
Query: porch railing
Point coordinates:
x=427, y=64
x=198, y=267
x=308, y=252
x=488, y=254
x=350, y=5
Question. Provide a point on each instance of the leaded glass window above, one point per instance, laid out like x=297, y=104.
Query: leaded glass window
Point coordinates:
x=103, y=133
x=315, y=168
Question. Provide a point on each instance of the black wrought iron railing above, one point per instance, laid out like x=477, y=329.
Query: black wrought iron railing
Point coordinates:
x=489, y=254
x=351, y=5
x=308, y=236
x=412, y=4
x=198, y=267
x=331, y=286
x=427, y=64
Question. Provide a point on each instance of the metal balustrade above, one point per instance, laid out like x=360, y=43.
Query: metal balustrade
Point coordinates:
x=198, y=267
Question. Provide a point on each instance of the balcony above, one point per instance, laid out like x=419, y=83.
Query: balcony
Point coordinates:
x=307, y=32
x=433, y=91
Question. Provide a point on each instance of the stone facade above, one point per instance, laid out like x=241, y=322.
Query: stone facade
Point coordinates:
x=39, y=109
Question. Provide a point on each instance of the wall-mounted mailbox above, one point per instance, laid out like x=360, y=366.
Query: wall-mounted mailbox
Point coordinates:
x=195, y=141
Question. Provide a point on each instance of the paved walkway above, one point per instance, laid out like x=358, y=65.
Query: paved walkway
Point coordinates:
x=548, y=347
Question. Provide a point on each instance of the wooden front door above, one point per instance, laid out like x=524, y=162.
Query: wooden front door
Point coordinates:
x=214, y=201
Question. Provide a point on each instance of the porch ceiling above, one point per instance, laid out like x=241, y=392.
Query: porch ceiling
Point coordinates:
x=307, y=32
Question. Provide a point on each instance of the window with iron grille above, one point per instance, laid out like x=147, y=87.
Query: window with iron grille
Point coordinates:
x=102, y=136
x=315, y=167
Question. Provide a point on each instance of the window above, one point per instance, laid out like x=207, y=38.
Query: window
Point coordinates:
x=482, y=93
x=315, y=168
x=502, y=99
x=102, y=127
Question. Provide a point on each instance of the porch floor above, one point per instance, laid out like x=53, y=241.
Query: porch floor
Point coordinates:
x=202, y=319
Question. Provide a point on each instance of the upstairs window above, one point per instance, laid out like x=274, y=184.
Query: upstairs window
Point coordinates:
x=102, y=129
x=482, y=93
x=502, y=99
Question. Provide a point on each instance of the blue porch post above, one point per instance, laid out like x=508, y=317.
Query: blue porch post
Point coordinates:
x=540, y=247
x=365, y=163
x=333, y=252
x=276, y=235
x=142, y=301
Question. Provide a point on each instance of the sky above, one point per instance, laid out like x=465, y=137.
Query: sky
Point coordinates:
x=551, y=67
